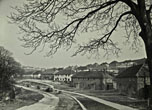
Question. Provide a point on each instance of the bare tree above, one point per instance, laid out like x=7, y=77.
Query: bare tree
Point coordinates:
x=104, y=16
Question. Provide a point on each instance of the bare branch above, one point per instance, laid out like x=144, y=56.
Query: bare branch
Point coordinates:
x=150, y=8
x=56, y=37
x=101, y=42
x=38, y=20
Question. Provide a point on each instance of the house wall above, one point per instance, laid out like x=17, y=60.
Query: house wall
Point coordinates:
x=27, y=76
x=50, y=76
x=115, y=85
x=87, y=83
x=63, y=77
x=112, y=70
x=127, y=86
x=126, y=65
x=108, y=83
x=36, y=76
x=132, y=86
x=141, y=84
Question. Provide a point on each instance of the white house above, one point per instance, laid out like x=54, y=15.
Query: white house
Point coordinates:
x=64, y=75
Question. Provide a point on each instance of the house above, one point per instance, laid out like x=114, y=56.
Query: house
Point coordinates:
x=81, y=68
x=101, y=67
x=113, y=67
x=30, y=68
x=37, y=74
x=64, y=75
x=117, y=67
x=92, y=80
x=27, y=75
x=47, y=76
x=133, y=80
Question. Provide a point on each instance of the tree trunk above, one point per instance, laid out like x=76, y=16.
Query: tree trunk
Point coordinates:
x=148, y=47
x=146, y=35
x=149, y=62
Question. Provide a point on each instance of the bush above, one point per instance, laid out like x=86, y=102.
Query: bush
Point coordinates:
x=18, y=90
x=27, y=85
x=12, y=94
x=49, y=89
x=59, y=92
x=38, y=87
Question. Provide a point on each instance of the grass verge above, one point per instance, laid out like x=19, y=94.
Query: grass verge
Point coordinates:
x=23, y=98
x=67, y=103
x=93, y=105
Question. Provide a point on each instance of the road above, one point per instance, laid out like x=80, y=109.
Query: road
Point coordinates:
x=108, y=103
x=49, y=102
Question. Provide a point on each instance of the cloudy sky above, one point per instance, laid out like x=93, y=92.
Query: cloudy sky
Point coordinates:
x=9, y=39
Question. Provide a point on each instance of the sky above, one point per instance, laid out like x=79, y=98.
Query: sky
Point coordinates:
x=9, y=34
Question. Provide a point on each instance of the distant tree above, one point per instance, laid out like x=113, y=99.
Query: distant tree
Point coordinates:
x=38, y=21
x=18, y=70
x=8, y=68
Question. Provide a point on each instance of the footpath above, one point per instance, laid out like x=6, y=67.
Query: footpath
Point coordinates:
x=49, y=102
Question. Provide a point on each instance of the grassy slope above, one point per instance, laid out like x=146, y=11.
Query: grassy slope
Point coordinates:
x=93, y=105
x=67, y=103
x=24, y=98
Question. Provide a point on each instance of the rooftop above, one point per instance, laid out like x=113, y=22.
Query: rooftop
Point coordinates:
x=134, y=71
x=91, y=74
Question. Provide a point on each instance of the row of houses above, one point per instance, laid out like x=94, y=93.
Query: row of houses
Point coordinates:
x=38, y=75
x=113, y=67
x=82, y=80
x=130, y=81
x=86, y=79
x=93, y=80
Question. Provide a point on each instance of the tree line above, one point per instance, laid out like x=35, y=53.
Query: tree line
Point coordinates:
x=9, y=68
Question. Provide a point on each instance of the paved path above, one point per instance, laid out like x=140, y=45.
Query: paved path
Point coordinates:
x=49, y=102
x=108, y=103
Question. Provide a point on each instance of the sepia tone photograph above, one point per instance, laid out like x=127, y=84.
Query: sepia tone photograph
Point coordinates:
x=75, y=54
